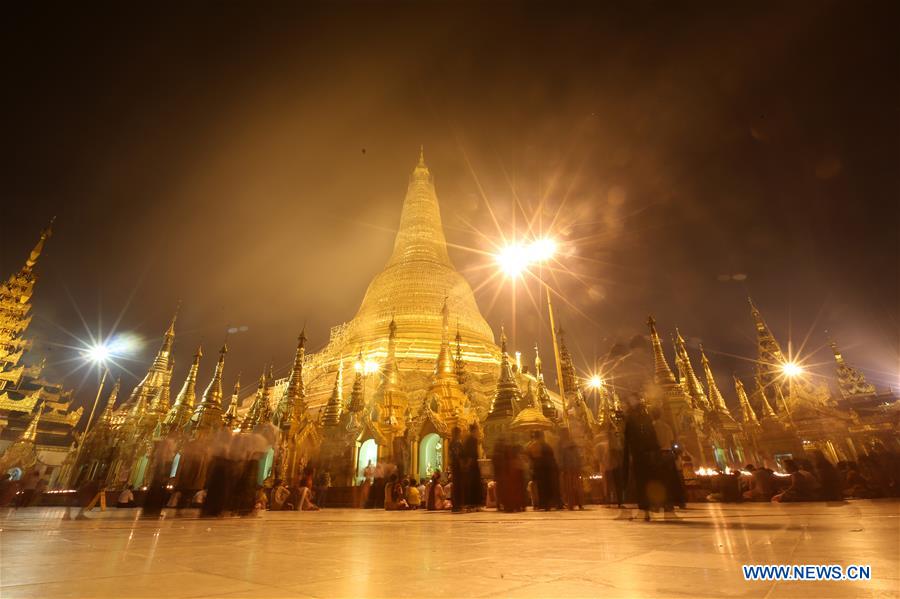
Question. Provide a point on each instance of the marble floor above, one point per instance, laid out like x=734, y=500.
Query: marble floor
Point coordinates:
x=363, y=553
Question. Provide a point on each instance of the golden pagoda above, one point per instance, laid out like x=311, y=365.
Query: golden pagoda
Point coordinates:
x=24, y=391
x=417, y=282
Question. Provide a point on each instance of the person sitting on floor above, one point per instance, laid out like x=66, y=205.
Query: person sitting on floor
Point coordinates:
x=199, y=498
x=762, y=484
x=393, y=494
x=126, y=498
x=281, y=496
x=422, y=490
x=413, y=499
x=804, y=486
x=304, y=500
x=434, y=493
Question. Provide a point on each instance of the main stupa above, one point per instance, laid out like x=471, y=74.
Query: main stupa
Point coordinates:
x=411, y=291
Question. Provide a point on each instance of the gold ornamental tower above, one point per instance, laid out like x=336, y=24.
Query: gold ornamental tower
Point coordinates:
x=411, y=293
x=413, y=286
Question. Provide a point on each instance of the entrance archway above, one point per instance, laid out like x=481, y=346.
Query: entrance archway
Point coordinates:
x=431, y=455
x=368, y=452
x=139, y=472
x=265, y=466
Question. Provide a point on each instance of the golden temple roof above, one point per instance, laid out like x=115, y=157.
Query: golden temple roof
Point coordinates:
x=414, y=285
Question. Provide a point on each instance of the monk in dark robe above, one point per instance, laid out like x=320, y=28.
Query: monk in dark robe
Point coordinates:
x=642, y=457
x=499, y=462
x=544, y=472
x=456, y=470
x=473, y=493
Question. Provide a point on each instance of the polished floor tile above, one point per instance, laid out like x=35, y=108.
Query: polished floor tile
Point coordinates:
x=364, y=553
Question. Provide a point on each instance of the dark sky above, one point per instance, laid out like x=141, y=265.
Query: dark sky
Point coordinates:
x=251, y=159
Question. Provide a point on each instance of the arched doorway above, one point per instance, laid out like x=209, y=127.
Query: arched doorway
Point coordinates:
x=140, y=470
x=265, y=466
x=175, y=463
x=368, y=452
x=431, y=455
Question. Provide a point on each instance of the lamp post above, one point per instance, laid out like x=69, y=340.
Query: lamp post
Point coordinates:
x=97, y=354
x=514, y=260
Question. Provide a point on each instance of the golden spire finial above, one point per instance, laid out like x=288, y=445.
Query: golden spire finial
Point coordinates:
x=767, y=411
x=301, y=340
x=715, y=396
x=39, y=246
x=838, y=357
x=30, y=432
x=502, y=340
x=231, y=414
x=663, y=372
x=422, y=156
x=171, y=330
x=748, y=416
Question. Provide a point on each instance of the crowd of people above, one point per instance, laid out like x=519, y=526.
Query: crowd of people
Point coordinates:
x=641, y=465
x=876, y=475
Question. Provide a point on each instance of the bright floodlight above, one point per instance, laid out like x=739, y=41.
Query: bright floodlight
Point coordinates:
x=791, y=369
x=595, y=382
x=97, y=353
x=370, y=366
x=513, y=260
x=516, y=258
x=542, y=250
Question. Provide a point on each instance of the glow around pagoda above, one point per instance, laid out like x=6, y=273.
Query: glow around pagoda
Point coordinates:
x=417, y=360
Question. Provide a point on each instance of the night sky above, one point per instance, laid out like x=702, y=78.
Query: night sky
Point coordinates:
x=251, y=160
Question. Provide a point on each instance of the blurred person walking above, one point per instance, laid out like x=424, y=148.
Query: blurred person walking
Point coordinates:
x=570, y=458
x=456, y=469
x=544, y=472
x=642, y=456
x=472, y=488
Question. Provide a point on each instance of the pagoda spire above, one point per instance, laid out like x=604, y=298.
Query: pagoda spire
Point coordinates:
x=770, y=357
x=748, y=416
x=180, y=413
x=715, y=396
x=31, y=431
x=460, y=363
x=164, y=357
x=108, y=414
x=421, y=233
x=543, y=396
x=259, y=409
x=15, y=305
x=335, y=405
x=391, y=370
x=159, y=371
x=444, y=367
x=604, y=407
x=160, y=403
x=507, y=395
x=765, y=407
x=293, y=400
x=851, y=382
x=663, y=374
x=357, y=398
x=231, y=414
x=39, y=247
x=570, y=379
x=689, y=379
x=208, y=413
